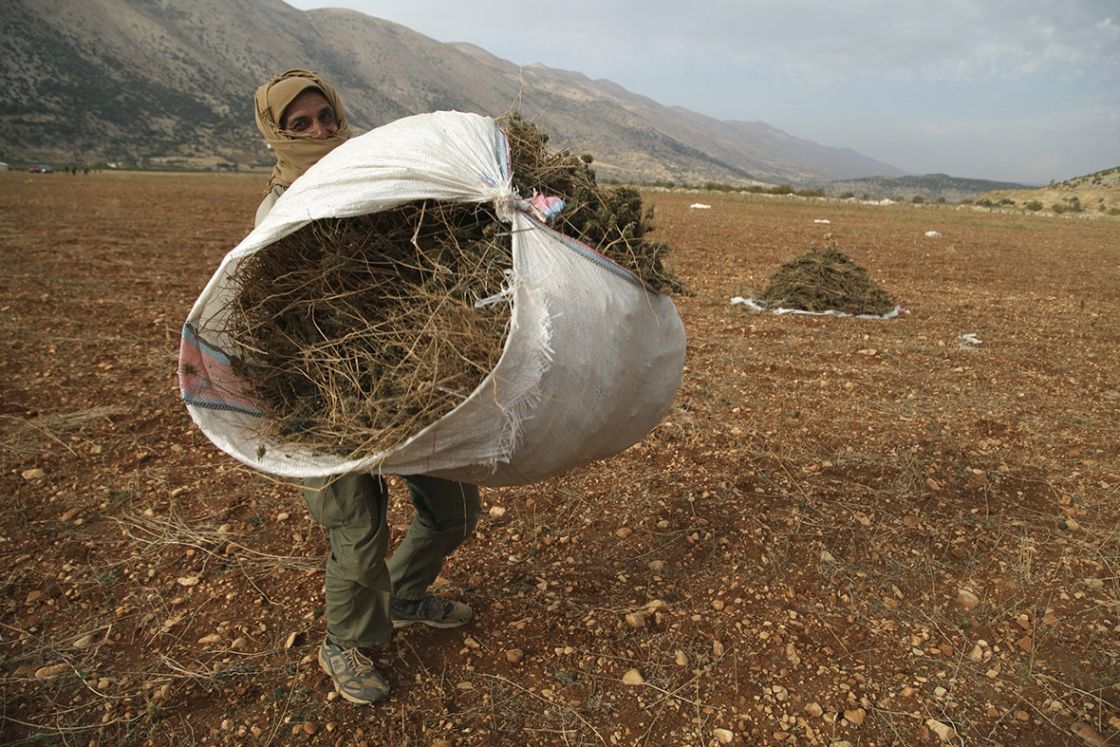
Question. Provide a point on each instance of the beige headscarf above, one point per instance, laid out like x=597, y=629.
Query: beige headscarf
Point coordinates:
x=295, y=154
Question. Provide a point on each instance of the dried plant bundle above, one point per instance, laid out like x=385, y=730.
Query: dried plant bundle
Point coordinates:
x=826, y=281
x=355, y=333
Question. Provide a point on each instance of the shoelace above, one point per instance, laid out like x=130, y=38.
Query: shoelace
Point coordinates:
x=434, y=608
x=358, y=661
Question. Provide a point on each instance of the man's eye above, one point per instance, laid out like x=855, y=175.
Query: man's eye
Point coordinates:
x=298, y=125
x=326, y=116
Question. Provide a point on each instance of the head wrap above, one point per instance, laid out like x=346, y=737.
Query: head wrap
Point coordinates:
x=295, y=154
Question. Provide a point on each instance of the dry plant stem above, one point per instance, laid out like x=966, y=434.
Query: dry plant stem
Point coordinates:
x=375, y=334
x=535, y=696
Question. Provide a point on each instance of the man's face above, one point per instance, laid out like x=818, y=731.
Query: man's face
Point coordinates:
x=310, y=115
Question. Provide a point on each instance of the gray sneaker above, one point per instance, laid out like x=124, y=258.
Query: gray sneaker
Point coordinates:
x=354, y=675
x=433, y=611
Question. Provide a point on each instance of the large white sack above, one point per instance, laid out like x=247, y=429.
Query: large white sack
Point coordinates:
x=592, y=361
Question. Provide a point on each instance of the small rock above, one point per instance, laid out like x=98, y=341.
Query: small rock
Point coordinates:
x=944, y=732
x=1088, y=734
x=855, y=716
x=717, y=649
x=680, y=659
x=33, y=474
x=656, y=565
x=464, y=685
x=294, y=639
x=85, y=641
x=309, y=728
x=497, y=512
x=283, y=516
x=780, y=693
x=623, y=532
x=210, y=640
x=51, y=670
x=633, y=677
x=718, y=605
x=940, y=692
x=239, y=644
x=967, y=598
x=723, y=736
x=442, y=743
x=976, y=654
x=636, y=619
x=187, y=580
x=814, y=710
x=515, y=655
x=826, y=557
x=104, y=682
x=69, y=514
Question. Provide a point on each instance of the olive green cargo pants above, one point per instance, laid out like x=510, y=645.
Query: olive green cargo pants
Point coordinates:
x=359, y=582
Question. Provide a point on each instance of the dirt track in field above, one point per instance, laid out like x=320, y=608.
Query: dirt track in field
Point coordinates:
x=872, y=532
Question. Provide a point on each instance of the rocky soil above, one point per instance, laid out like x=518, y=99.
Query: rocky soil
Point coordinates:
x=846, y=532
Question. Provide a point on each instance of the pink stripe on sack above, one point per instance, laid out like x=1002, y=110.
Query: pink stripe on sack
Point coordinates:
x=207, y=378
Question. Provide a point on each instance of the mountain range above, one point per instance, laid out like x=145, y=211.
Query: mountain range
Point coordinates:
x=171, y=82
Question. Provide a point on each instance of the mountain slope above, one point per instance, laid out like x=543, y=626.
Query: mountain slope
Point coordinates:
x=150, y=79
x=1096, y=193
x=925, y=186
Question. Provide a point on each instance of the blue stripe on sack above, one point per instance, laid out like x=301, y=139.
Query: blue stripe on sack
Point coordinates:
x=501, y=145
x=191, y=336
x=218, y=404
x=501, y=148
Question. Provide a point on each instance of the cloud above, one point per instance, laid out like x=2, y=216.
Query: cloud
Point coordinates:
x=1020, y=86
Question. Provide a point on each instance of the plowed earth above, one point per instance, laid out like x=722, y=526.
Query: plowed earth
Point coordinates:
x=846, y=531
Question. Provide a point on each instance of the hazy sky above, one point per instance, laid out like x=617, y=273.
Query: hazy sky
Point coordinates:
x=1016, y=90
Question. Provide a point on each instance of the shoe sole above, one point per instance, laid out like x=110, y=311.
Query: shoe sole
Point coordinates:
x=342, y=693
x=398, y=624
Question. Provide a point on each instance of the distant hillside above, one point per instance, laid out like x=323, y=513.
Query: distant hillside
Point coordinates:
x=1107, y=179
x=161, y=82
x=929, y=187
x=1096, y=193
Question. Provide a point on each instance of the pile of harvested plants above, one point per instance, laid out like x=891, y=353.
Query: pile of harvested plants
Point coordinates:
x=826, y=280
x=355, y=333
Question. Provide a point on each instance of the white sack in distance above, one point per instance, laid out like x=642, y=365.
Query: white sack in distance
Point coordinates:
x=591, y=364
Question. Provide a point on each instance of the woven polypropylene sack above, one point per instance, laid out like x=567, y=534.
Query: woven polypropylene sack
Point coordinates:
x=592, y=360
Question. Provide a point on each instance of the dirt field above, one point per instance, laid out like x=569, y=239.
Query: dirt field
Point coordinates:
x=846, y=531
